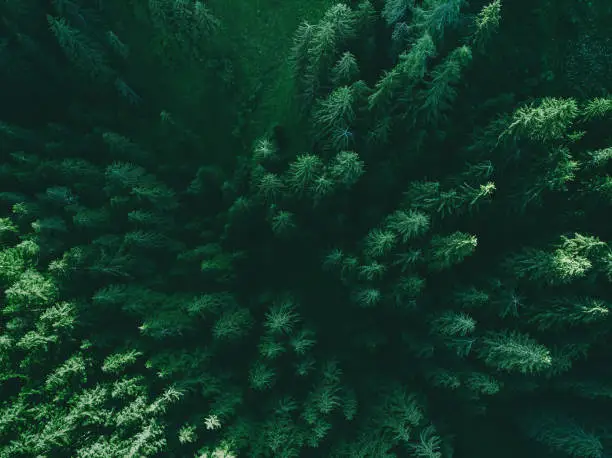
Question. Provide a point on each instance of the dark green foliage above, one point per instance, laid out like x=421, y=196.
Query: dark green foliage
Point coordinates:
x=421, y=253
x=82, y=54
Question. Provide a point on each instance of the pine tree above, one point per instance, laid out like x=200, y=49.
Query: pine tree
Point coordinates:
x=487, y=23
x=513, y=351
x=81, y=53
x=434, y=16
x=441, y=92
x=346, y=70
x=396, y=10
x=451, y=249
x=335, y=112
x=544, y=122
x=564, y=435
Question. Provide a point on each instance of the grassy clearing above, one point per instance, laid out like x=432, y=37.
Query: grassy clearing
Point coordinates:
x=260, y=34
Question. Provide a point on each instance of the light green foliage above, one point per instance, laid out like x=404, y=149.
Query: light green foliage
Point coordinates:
x=302, y=341
x=302, y=41
x=232, y=324
x=602, y=186
x=514, y=352
x=187, y=434
x=556, y=267
x=32, y=292
x=128, y=387
x=58, y=318
x=408, y=224
x=316, y=48
x=270, y=348
x=429, y=445
x=264, y=150
x=442, y=378
x=164, y=323
x=346, y=70
x=282, y=317
x=599, y=158
x=12, y=264
x=261, y=377
x=567, y=312
x=596, y=108
x=270, y=187
x=25, y=211
x=441, y=91
x=402, y=414
x=304, y=366
x=323, y=400
x=410, y=69
x=546, y=121
x=379, y=243
x=423, y=195
x=407, y=260
x=561, y=171
x=210, y=304
x=335, y=112
x=87, y=407
x=487, y=23
x=279, y=433
x=373, y=270
x=346, y=168
x=118, y=362
x=453, y=324
x=223, y=451
x=34, y=342
x=448, y=250
x=60, y=379
x=483, y=383
x=337, y=25
x=50, y=226
x=367, y=297
x=169, y=365
x=475, y=196
x=585, y=245
x=168, y=397
x=303, y=172
x=339, y=19
x=322, y=187
x=333, y=259
x=147, y=442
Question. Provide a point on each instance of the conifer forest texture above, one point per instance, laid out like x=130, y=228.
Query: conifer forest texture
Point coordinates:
x=285, y=228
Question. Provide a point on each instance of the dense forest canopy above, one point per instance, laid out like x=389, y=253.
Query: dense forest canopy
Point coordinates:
x=345, y=229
